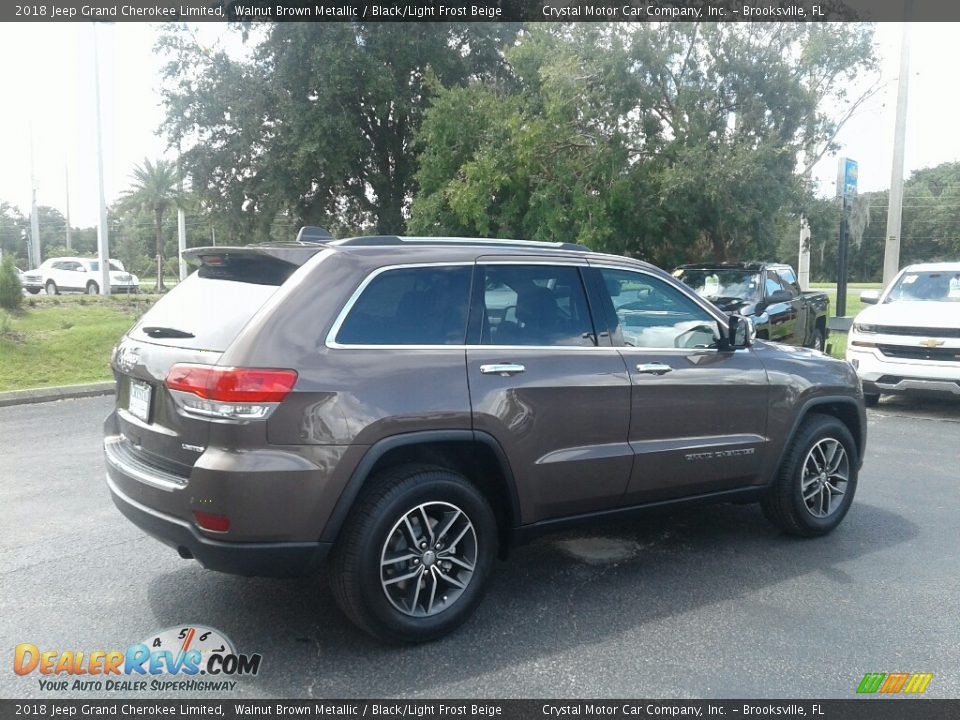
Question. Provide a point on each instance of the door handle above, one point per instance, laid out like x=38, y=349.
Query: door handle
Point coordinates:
x=653, y=368
x=504, y=369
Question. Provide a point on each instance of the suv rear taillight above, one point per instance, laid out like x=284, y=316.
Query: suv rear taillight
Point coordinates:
x=229, y=393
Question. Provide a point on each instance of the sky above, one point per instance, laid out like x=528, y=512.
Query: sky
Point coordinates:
x=50, y=74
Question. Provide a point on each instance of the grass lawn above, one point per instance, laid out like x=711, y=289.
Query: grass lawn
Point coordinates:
x=837, y=342
x=63, y=340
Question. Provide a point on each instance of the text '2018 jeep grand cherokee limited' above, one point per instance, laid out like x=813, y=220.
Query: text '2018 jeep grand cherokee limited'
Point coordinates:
x=411, y=406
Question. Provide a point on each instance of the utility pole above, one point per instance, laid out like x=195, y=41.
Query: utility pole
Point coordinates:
x=847, y=179
x=891, y=252
x=66, y=175
x=181, y=224
x=34, y=220
x=103, y=239
x=803, y=265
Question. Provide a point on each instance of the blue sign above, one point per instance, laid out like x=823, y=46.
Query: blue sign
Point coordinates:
x=847, y=177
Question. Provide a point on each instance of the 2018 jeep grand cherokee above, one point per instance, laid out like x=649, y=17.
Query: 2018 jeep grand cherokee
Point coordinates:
x=411, y=406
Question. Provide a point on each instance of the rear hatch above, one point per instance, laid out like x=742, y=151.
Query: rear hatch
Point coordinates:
x=194, y=323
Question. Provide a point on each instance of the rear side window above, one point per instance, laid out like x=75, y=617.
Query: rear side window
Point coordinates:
x=410, y=306
x=209, y=309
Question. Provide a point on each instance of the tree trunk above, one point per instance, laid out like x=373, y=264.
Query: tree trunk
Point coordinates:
x=158, y=217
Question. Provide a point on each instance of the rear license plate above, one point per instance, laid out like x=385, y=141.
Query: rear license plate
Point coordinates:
x=139, y=404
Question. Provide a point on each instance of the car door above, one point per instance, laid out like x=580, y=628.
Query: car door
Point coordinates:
x=802, y=321
x=698, y=411
x=782, y=314
x=548, y=387
x=74, y=275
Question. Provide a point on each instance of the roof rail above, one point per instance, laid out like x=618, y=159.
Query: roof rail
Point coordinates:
x=313, y=235
x=375, y=240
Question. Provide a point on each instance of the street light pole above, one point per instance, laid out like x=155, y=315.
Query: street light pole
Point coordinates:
x=891, y=254
x=103, y=240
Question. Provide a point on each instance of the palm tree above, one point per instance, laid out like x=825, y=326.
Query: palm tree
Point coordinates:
x=155, y=189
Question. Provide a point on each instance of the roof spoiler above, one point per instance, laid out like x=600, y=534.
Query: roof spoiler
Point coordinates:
x=314, y=235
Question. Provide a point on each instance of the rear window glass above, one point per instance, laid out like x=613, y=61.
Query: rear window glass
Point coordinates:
x=204, y=312
x=410, y=306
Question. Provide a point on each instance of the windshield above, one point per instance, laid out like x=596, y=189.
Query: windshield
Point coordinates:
x=714, y=283
x=926, y=286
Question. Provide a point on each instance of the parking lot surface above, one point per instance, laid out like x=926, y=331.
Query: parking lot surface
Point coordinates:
x=708, y=602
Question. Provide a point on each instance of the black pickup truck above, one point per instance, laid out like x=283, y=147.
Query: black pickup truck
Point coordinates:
x=766, y=292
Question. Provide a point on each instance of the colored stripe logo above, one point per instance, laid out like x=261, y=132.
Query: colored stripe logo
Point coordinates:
x=893, y=683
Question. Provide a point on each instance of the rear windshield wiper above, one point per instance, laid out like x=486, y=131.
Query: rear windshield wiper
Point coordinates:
x=166, y=332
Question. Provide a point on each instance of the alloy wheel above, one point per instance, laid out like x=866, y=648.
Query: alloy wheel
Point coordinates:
x=428, y=559
x=826, y=471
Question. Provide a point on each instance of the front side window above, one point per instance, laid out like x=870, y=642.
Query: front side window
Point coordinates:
x=645, y=311
x=772, y=283
x=410, y=306
x=541, y=305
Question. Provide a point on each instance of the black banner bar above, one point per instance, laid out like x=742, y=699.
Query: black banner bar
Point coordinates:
x=875, y=708
x=476, y=11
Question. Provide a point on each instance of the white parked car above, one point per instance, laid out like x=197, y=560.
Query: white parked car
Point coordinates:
x=910, y=338
x=56, y=275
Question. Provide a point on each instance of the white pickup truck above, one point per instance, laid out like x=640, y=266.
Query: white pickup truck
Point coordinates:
x=910, y=338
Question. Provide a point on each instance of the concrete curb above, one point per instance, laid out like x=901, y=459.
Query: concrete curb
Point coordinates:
x=39, y=395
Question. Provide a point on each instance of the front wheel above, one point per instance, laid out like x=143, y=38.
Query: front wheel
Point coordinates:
x=33, y=291
x=415, y=554
x=51, y=288
x=871, y=400
x=817, y=480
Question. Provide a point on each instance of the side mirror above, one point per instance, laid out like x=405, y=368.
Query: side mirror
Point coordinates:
x=870, y=297
x=740, y=332
x=779, y=296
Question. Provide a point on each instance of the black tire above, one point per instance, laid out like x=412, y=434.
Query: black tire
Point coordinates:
x=871, y=400
x=783, y=503
x=93, y=288
x=355, y=566
x=818, y=342
x=51, y=288
x=33, y=291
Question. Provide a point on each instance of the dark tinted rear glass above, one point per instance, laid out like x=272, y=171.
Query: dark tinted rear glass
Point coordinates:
x=212, y=305
x=410, y=306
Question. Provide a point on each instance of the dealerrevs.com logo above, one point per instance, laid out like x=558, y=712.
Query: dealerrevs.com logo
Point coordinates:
x=171, y=660
x=894, y=683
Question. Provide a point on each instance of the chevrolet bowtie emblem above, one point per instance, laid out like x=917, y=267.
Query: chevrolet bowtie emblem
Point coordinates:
x=932, y=343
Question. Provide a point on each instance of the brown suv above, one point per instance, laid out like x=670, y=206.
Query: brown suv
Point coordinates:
x=413, y=406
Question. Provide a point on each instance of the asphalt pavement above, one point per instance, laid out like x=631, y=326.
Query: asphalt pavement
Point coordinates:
x=707, y=602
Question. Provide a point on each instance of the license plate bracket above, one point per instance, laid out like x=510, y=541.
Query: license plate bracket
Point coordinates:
x=140, y=400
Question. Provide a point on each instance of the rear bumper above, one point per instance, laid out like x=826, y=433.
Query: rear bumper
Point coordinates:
x=252, y=559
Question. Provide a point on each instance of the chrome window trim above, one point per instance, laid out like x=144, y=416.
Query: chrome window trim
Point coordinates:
x=332, y=344
x=331, y=341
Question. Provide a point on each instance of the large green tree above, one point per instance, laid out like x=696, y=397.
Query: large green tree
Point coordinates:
x=316, y=127
x=666, y=141
x=154, y=190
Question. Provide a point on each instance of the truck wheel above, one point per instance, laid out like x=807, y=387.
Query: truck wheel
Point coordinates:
x=413, y=559
x=51, y=288
x=871, y=400
x=817, y=342
x=816, y=483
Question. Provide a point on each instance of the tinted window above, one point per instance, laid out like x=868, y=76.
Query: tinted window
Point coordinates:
x=648, y=312
x=214, y=311
x=772, y=283
x=411, y=306
x=534, y=305
x=789, y=281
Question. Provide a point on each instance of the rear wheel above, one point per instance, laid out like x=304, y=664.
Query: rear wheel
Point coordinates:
x=817, y=342
x=414, y=556
x=817, y=480
x=51, y=288
x=93, y=288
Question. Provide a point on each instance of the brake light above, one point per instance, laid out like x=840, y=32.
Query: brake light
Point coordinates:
x=232, y=384
x=231, y=393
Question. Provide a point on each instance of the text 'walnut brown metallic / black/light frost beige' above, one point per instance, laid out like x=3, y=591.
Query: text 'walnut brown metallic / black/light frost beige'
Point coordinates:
x=411, y=407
